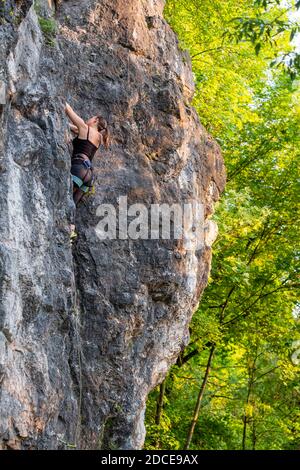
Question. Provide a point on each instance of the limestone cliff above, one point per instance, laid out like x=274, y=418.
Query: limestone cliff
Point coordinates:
x=87, y=331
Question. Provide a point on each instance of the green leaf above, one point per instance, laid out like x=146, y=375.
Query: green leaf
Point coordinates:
x=293, y=33
x=257, y=48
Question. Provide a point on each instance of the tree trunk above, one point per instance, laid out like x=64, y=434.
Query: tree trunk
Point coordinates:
x=245, y=418
x=253, y=435
x=160, y=402
x=199, y=399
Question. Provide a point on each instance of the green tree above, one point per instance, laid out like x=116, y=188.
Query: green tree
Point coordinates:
x=234, y=386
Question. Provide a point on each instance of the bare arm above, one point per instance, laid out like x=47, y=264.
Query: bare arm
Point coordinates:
x=77, y=120
x=74, y=129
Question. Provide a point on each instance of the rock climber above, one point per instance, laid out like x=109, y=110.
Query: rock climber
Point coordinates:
x=90, y=135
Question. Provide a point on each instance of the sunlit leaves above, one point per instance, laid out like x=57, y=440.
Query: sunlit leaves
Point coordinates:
x=249, y=307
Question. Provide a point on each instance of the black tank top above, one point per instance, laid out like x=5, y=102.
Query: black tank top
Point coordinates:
x=84, y=146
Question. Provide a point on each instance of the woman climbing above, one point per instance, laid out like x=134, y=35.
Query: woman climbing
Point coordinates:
x=96, y=132
x=90, y=135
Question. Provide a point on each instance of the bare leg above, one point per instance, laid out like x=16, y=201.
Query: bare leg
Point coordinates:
x=77, y=195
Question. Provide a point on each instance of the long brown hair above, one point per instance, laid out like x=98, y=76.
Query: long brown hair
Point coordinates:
x=104, y=131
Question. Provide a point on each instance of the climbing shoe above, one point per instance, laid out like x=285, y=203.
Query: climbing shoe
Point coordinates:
x=73, y=234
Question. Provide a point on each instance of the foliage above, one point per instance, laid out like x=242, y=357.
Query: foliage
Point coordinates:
x=249, y=309
x=47, y=25
x=49, y=29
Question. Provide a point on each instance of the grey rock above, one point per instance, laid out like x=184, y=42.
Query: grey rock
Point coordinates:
x=2, y=92
x=87, y=332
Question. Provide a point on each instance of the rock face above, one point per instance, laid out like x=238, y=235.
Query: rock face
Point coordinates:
x=87, y=331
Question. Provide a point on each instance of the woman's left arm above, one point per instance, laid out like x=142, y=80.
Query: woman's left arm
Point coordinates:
x=74, y=129
x=77, y=120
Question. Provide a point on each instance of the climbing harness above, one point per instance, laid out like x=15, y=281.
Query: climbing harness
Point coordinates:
x=86, y=188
